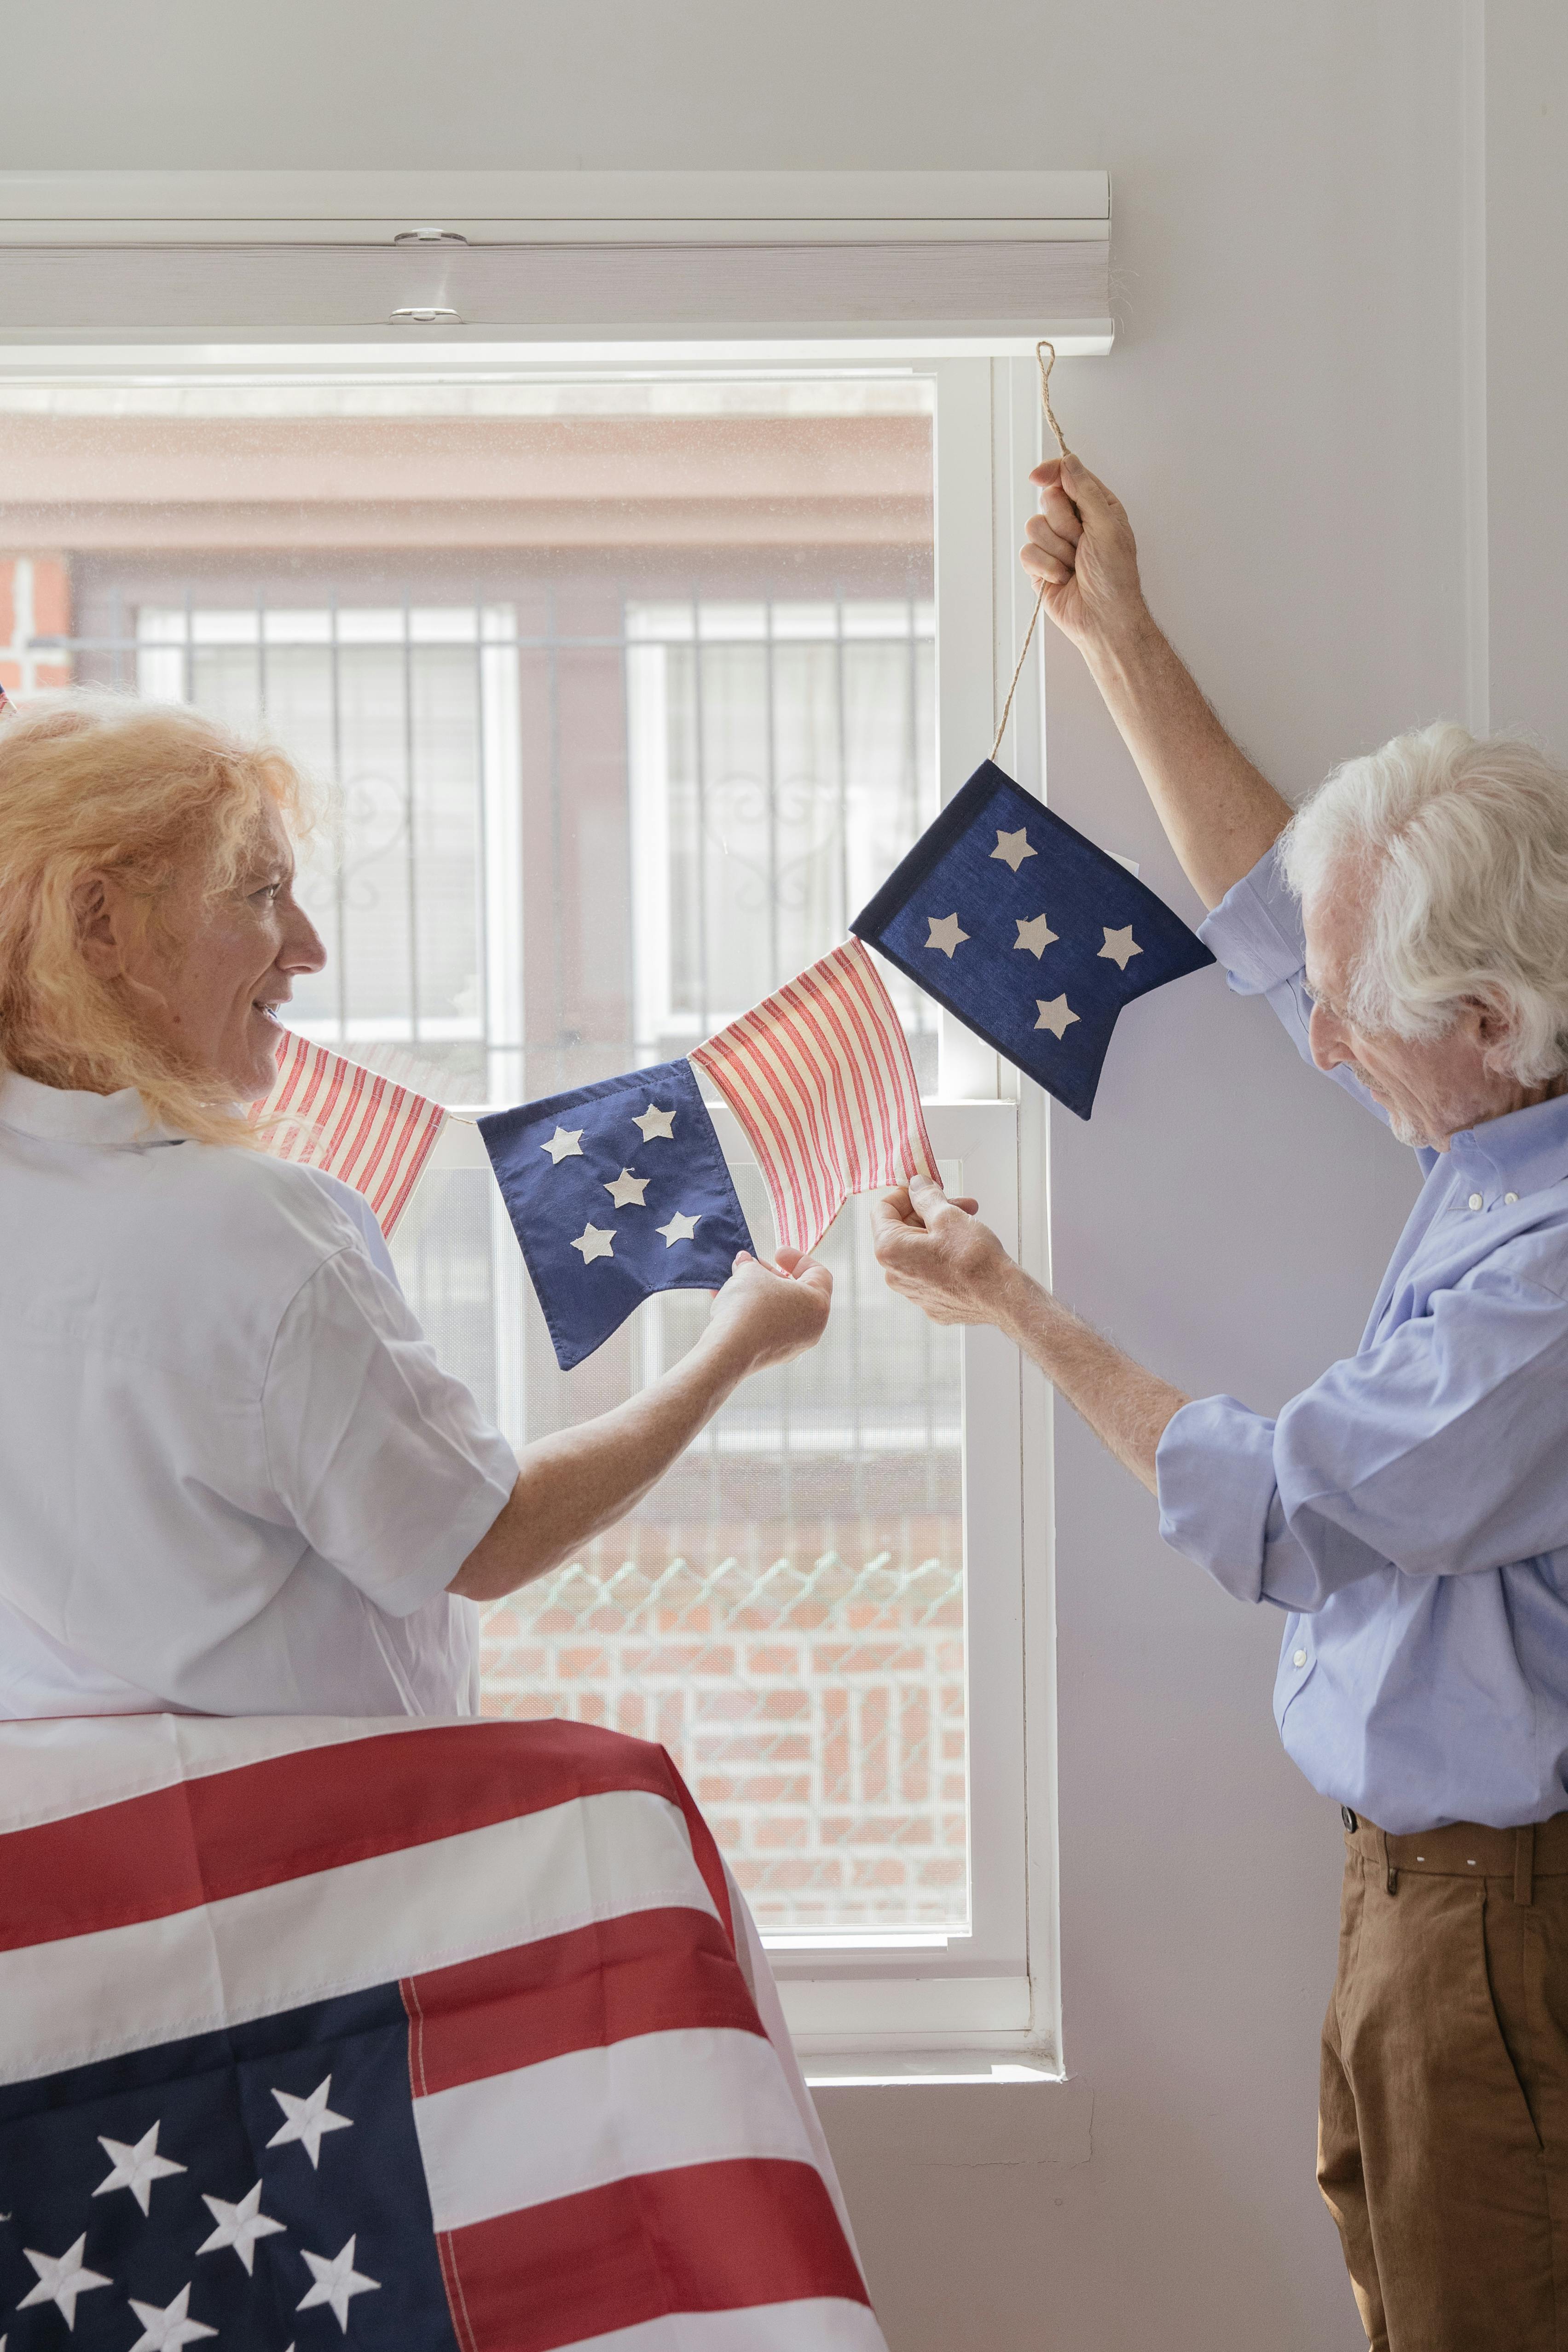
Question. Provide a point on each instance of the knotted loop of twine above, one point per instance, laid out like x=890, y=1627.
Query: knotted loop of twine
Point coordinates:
x=1045, y=366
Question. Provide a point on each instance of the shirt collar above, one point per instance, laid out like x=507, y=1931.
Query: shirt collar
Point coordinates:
x=65, y=1115
x=1524, y=1150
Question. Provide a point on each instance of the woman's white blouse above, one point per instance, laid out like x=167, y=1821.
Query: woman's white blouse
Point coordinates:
x=233, y=1478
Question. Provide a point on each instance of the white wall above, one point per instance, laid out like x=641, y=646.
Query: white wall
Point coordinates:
x=1285, y=416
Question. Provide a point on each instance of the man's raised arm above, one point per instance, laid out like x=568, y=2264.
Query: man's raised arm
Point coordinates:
x=1219, y=813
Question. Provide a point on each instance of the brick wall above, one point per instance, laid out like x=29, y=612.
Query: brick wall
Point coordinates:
x=35, y=601
x=814, y=1702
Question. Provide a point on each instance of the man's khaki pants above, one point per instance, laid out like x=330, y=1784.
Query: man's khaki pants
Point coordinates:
x=1443, y=2123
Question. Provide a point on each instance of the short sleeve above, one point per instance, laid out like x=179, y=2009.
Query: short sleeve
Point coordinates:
x=382, y=1461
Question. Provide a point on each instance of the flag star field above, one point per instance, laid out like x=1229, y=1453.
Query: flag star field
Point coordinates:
x=1031, y=935
x=615, y=1191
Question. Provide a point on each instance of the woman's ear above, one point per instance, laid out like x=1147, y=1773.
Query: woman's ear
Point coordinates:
x=100, y=917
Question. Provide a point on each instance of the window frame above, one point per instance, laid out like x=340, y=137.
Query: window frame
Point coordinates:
x=881, y=2012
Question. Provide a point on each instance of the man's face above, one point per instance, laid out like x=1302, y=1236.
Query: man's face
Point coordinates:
x=1431, y=1088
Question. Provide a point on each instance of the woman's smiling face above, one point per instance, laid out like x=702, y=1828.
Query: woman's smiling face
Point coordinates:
x=208, y=977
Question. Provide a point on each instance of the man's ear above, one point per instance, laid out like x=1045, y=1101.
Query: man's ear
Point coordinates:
x=94, y=904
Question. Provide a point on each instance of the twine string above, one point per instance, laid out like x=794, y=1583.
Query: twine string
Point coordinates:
x=1045, y=366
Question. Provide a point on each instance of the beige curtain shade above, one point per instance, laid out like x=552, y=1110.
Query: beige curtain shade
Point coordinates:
x=989, y=259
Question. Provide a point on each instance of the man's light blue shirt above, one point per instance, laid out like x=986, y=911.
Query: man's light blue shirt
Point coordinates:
x=1409, y=1510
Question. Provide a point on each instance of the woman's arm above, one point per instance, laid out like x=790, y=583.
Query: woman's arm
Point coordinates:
x=1219, y=813
x=573, y=1486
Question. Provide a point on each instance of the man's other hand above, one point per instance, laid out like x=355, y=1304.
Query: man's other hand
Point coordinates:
x=1080, y=547
x=937, y=1252
x=769, y=1314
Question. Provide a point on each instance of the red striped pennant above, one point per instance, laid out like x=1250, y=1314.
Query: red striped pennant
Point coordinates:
x=819, y=1075
x=335, y=1115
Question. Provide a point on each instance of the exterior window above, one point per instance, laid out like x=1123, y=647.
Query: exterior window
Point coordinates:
x=624, y=697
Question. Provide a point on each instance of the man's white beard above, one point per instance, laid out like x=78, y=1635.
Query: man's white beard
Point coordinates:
x=1399, y=1126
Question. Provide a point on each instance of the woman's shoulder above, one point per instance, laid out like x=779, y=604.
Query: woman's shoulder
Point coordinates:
x=271, y=1223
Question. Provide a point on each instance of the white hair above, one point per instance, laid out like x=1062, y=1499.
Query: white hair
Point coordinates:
x=1471, y=903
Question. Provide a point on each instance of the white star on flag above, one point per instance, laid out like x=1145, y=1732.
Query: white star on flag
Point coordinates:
x=945, y=934
x=628, y=1190
x=1055, y=1016
x=135, y=2168
x=1120, y=945
x=679, y=1229
x=564, y=1144
x=308, y=2120
x=1036, y=934
x=1012, y=848
x=168, y=2330
x=336, y=2283
x=595, y=1240
x=655, y=1122
x=61, y=2281
x=239, y=2226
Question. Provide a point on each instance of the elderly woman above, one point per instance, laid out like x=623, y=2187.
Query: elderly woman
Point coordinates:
x=1408, y=1512
x=234, y=1479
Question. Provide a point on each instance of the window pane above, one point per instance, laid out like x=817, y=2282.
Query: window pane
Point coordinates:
x=621, y=695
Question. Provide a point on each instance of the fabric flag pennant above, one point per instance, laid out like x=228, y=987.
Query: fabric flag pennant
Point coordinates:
x=819, y=1075
x=340, y=1116
x=436, y=2037
x=1031, y=935
x=615, y=1191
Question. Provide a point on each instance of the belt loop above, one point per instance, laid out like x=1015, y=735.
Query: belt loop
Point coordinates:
x=1524, y=1863
x=1390, y=1875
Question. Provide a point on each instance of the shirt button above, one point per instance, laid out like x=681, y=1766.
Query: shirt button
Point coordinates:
x=1510, y=1198
x=1476, y=1200
x=1300, y=1659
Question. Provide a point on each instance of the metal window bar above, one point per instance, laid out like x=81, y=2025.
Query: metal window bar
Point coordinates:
x=122, y=641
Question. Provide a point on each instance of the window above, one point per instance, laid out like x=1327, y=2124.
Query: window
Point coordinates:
x=628, y=689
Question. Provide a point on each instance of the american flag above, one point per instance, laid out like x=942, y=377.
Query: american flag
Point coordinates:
x=433, y=2037
x=819, y=1075
x=335, y=1115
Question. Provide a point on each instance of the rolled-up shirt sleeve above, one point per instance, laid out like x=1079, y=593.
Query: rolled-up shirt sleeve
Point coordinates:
x=1438, y=1452
x=1256, y=933
x=382, y=1462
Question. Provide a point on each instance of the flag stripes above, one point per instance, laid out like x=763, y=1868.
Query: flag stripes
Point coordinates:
x=725, y=2235
x=507, y=2055
x=332, y=1114
x=819, y=1075
x=652, y=1971
x=232, y=1833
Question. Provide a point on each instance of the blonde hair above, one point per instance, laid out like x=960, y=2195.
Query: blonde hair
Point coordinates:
x=93, y=782
x=1471, y=899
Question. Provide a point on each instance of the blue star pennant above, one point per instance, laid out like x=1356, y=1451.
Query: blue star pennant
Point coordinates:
x=615, y=1191
x=1033, y=937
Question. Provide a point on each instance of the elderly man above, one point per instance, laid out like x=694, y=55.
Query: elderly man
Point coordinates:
x=1409, y=1510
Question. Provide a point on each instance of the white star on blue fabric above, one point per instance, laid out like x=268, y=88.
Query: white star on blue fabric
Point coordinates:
x=309, y=2119
x=627, y=1190
x=135, y=2168
x=680, y=1228
x=61, y=2281
x=1120, y=945
x=170, y=2329
x=1056, y=1016
x=1036, y=934
x=564, y=1144
x=239, y=2226
x=595, y=1240
x=945, y=934
x=1012, y=848
x=655, y=1123
x=336, y=2283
